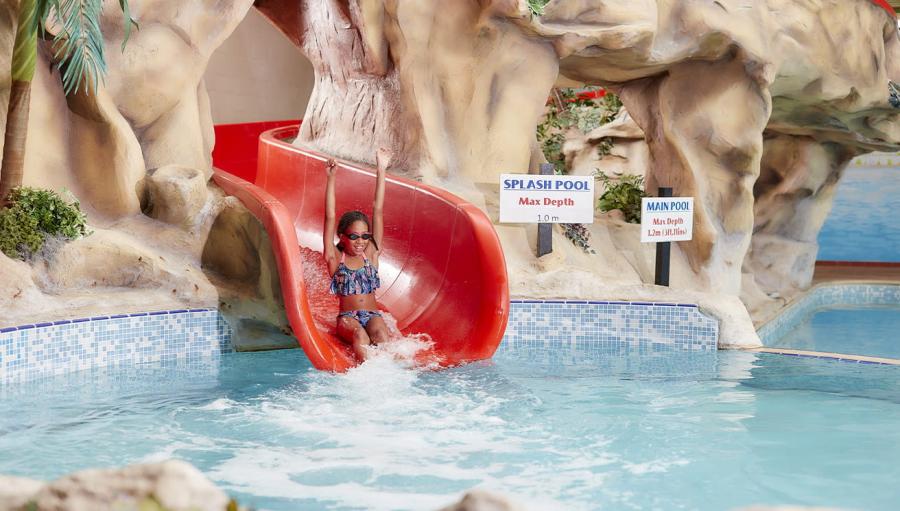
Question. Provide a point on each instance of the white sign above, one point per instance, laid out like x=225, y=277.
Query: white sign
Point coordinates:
x=529, y=198
x=667, y=219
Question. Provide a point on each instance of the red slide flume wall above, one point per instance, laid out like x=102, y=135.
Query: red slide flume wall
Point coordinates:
x=442, y=267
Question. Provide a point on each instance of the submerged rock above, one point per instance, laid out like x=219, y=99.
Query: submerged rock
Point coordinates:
x=171, y=485
x=16, y=491
x=481, y=500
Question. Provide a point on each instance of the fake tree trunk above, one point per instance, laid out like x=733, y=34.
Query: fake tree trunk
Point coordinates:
x=23, y=61
x=451, y=89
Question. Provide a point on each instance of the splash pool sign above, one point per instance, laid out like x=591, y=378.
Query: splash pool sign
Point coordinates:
x=667, y=219
x=528, y=198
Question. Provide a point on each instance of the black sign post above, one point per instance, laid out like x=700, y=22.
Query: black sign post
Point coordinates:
x=663, y=251
x=545, y=231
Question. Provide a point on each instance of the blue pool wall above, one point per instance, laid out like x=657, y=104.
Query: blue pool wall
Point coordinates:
x=658, y=326
x=31, y=352
x=827, y=295
x=862, y=224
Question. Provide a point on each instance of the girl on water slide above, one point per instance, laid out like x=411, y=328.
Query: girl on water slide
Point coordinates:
x=353, y=264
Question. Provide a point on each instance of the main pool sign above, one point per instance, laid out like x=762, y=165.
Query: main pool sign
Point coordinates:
x=667, y=219
x=528, y=198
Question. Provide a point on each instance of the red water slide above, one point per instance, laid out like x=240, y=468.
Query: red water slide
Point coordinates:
x=442, y=268
x=886, y=6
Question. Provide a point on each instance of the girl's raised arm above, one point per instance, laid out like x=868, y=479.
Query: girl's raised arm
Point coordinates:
x=382, y=158
x=329, y=250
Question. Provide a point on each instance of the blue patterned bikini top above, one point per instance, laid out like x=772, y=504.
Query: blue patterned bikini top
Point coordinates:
x=362, y=281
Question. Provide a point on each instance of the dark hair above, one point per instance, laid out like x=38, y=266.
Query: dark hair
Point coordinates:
x=347, y=220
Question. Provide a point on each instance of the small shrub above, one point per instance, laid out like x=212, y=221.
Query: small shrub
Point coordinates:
x=894, y=94
x=568, y=109
x=579, y=236
x=537, y=6
x=624, y=195
x=19, y=233
x=34, y=215
x=604, y=147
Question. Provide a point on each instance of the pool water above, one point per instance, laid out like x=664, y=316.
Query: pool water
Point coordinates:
x=871, y=331
x=572, y=429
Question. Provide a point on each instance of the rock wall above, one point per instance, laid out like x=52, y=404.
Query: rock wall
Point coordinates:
x=703, y=80
x=723, y=92
x=138, y=156
x=454, y=89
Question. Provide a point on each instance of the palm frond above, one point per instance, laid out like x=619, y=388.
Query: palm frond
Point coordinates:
x=78, y=43
x=126, y=11
x=25, y=47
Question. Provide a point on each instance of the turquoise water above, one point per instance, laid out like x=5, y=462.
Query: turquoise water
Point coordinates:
x=617, y=430
x=872, y=331
x=862, y=225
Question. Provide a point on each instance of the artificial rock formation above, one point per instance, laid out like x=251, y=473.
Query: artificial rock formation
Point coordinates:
x=138, y=156
x=798, y=179
x=452, y=88
x=456, y=89
x=703, y=80
x=171, y=485
x=629, y=154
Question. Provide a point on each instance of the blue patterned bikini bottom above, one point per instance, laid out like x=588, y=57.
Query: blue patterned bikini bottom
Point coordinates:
x=362, y=316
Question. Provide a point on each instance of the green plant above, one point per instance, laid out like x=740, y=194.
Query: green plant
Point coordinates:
x=604, y=147
x=570, y=110
x=624, y=195
x=19, y=233
x=34, y=215
x=78, y=51
x=537, y=6
x=579, y=236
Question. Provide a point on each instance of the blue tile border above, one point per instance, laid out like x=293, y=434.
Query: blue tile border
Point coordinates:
x=604, y=302
x=824, y=296
x=552, y=325
x=34, y=351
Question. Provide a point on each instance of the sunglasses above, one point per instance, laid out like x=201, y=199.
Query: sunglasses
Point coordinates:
x=355, y=236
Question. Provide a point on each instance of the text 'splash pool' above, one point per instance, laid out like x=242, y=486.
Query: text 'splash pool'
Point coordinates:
x=615, y=430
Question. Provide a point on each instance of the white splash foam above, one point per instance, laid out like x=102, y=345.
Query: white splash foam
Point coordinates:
x=653, y=467
x=218, y=405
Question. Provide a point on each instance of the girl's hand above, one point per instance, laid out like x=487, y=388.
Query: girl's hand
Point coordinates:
x=330, y=167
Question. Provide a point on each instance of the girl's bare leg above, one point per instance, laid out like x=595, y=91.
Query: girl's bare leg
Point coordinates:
x=378, y=330
x=351, y=331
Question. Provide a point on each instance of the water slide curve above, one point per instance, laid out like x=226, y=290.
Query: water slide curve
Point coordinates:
x=442, y=267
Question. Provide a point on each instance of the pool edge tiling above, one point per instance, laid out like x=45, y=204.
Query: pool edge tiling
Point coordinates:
x=35, y=351
x=663, y=326
x=826, y=295
x=30, y=352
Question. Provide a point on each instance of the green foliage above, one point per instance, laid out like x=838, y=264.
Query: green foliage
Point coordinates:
x=604, y=147
x=19, y=234
x=25, y=47
x=78, y=44
x=34, y=215
x=579, y=236
x=537, y=6
x=568, y=110
x=624, y=195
